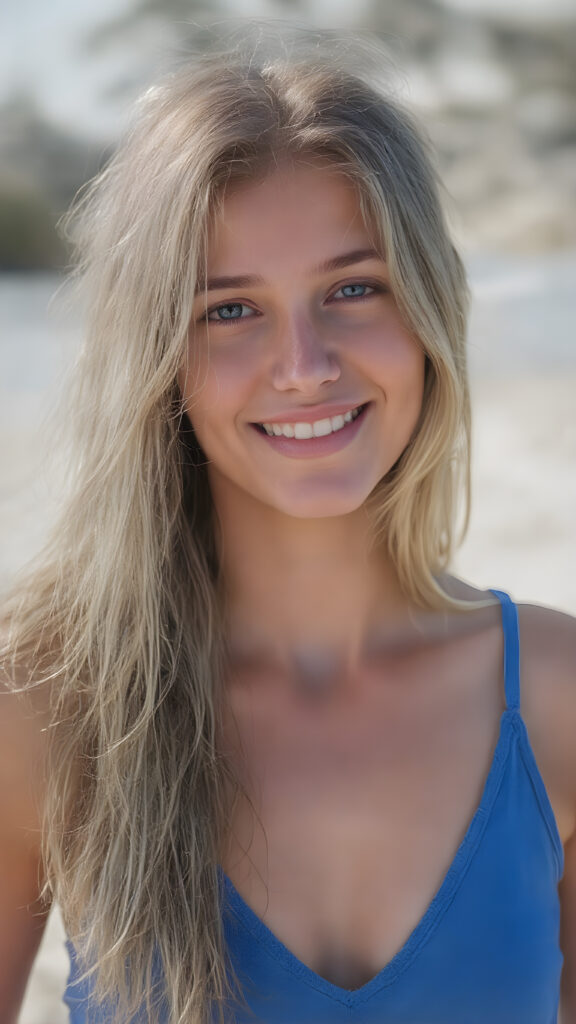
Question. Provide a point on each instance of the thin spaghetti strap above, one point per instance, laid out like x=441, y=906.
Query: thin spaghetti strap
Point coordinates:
x=511, y=650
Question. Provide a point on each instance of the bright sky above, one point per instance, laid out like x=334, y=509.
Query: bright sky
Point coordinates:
x=40, y=51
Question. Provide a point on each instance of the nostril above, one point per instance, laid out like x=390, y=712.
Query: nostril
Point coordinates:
x=306, y=368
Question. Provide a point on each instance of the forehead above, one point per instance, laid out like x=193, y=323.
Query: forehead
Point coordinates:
x=305, y=211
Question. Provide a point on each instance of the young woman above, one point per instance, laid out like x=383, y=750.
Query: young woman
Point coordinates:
x=274, y=763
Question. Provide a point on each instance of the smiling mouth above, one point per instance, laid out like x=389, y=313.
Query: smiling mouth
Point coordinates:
x=305, y=431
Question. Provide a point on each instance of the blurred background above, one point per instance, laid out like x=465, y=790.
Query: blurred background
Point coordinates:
x=494, y=84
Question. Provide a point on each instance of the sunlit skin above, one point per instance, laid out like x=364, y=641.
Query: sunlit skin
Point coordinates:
x=298, y=338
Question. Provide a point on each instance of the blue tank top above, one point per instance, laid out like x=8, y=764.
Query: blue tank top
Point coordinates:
x=487, y=948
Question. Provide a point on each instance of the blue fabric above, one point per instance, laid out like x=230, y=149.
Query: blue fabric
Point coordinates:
x=487, y=948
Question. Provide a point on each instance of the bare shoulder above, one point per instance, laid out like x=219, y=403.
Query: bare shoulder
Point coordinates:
x=548, y=657
x=548, y=695
x=548, y=635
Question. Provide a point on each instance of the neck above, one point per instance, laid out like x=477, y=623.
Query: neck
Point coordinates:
x=305, y=595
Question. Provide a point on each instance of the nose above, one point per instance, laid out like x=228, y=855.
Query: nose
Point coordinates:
x=304, y=359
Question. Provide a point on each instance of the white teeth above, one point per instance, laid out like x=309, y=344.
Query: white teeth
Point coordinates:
x=304, y=431
x=322, y=427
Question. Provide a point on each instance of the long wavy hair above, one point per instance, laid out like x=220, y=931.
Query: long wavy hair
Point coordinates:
x=121, y=618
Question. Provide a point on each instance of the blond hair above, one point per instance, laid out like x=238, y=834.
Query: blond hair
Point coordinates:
x=121, y=615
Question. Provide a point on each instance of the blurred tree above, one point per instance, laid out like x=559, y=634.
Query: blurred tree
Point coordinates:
x=42, y=155
x=41, y=169
x=28, y=237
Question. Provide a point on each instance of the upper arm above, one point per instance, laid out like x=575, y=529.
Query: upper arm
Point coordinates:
x=568, y=933
x=548, y=672
x=22, y=916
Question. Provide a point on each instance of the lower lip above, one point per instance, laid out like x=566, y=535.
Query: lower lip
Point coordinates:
x=315, y=447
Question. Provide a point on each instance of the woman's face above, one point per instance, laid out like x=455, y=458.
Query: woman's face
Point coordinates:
x=303, y=384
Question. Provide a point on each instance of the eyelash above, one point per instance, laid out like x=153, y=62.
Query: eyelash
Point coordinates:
x=373, y=286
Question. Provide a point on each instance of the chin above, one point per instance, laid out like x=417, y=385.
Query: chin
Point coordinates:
x=324, y=506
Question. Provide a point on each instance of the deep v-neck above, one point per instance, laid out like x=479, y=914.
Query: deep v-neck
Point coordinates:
x=486, y=948
x=427, y=923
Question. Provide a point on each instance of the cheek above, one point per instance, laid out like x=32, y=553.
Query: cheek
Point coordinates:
x=411, y=367
x=397, y=359
x=206, y=374
x=217, y=390
x=411, y=379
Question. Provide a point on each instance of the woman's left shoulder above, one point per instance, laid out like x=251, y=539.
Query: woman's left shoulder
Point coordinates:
x=548, y=648
x=548, y=693
x=548, y=704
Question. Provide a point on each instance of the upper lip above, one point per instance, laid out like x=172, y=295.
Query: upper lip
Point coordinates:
x=311, y=413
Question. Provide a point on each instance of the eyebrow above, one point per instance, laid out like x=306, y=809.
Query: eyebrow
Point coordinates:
x=253, y=280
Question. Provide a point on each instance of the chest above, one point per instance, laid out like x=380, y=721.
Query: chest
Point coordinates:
x=351, y=815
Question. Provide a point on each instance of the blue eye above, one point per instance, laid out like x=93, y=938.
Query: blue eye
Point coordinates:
x=229, y=311
x=354, y=291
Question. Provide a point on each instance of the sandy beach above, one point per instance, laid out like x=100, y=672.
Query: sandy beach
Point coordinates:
x=522, y=535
